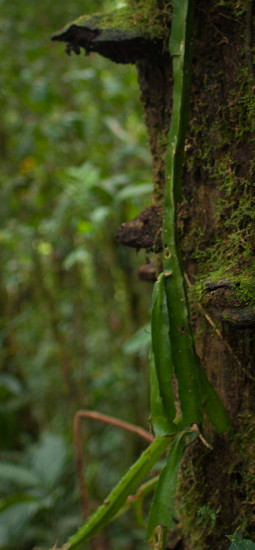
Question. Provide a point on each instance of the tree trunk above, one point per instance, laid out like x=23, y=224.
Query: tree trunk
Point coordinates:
x=216, y=492
x=216, y=221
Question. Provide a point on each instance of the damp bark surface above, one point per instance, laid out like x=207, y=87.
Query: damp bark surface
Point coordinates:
x=216, y=227
x=218, y=251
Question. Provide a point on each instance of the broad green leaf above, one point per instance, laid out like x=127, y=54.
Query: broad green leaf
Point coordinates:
x=115, y=127
x=138, y=342
x=212, y=404
x=84, y=227
x=132, y=191
x=162, y=508
x=17, y=498
x=162, y=374
x=18, y=475
x=11, y=383
x=100, y=214
x=45, y=248
x=78, y=256
x=238, y=543
x=15, y=520
x=183, y=352
x=47, y=458
x=179, y=22
x=86, y=174
x=160, y=422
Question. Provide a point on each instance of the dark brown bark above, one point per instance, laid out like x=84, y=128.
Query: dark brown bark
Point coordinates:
x=216, y=226
x=218, y=171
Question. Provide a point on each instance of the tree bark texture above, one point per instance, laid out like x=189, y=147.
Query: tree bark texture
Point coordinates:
x=216, y=492
x=216, y=224
x=217, y=489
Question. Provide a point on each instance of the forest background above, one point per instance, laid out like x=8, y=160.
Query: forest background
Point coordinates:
x=74, y=316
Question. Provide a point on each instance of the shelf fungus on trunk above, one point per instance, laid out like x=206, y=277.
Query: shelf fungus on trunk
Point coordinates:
x=147, y=272
x=145, y=231
x=137, y=34
x=123, y=35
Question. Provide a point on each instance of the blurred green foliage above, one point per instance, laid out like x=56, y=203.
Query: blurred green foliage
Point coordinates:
x=74, y=151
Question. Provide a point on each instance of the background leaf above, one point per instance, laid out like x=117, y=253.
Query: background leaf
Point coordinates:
x=162, y=508
x=47, y=458
x=18, y=475
x=238, y=543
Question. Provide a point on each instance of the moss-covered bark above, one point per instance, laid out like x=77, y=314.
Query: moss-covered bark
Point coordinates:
x=216, y=221
x=216, y=224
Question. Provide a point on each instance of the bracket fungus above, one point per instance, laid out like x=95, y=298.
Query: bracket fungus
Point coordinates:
x=137, y=34
x=145, y=231
x=123, y=35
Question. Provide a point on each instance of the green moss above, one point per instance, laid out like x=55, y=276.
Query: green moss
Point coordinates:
x=234, y=237
x=243, y=294
x=198, y=510
x=238, y=8
x=243, y=471
x=225, y=156
x=144, y=19
x=205, y=516
x=217, y=493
